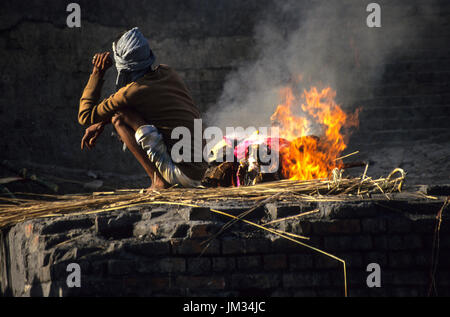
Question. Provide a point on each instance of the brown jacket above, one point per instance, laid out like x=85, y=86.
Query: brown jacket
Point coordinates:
x=160, y=97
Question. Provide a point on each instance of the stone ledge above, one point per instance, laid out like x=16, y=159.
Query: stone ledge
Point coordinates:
x=158, y=251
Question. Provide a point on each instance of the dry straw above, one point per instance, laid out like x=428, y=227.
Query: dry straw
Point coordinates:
x=14, y=210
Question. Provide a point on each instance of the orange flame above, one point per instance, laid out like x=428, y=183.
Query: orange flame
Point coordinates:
x=309, y=156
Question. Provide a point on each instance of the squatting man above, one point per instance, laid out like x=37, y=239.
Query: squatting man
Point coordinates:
x=149, y=110
x=149, y=103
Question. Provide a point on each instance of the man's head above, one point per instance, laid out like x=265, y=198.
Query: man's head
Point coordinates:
x=133, y=57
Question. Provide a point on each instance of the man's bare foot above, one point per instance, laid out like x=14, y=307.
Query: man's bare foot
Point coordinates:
x=158, y=183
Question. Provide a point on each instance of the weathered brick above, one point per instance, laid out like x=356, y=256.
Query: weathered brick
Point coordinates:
x=396, y=242
x=336, y=277
x=373, y=225
x=282, y=245
x=248, y=262
x=287, y=211
x=399, y=225
x=232, y=246
x=163, y=265
x=331, y=292
x=181, y=231
x=257, y=246
x=200, y=282
x=307, y=292
x=277, y=211
x=301, y=261
x=358, y=278
x=304, y=228
x=191, y=247
x=358, y=292
x=156, y=212
x=195, y=213
x=380, y=242
x=47, y=241
x=380, y=258
x=210, y=293
x=424, y=225
x=64, y=254
x=44, y=273
x=325, y=262
x=172, y=265
x=152, y=248
x=220, y=264
x=405, y=242
x=120, y=267
x=245, y=246
x=57, y=271
x=410, y=278
x=348, y=210
x=336, y=226
x=199, y=265
x=258, y=213
x=202, y=230
x=424, y=260
x=135, y=286
x=65, y=225
x=407, y=292
x=401, y=259
x=275, y=261
x=443, y=279
x=444, y=228
x=443, y=243
x=359, y=242
x=159, y=282
x=271, y=209
x=120, y=226
x=99, y=268
x=428, y=240
x=256, y=280
x=351, y=259
x=281, y=293
x=307, y=279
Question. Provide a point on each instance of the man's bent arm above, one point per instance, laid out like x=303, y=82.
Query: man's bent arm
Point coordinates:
x=89, y=98
x=91, y=111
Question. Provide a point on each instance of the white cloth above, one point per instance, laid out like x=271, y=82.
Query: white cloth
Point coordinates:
x=149, y=138
x=133, y=57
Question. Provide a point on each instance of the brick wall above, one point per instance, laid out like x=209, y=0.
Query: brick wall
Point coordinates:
x=45, y=66
x=158, y=252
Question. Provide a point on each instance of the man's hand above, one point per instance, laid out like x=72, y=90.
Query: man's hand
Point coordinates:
x=101, y=62
x=91, y=134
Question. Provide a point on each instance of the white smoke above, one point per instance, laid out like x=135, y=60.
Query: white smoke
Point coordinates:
x=326, y=42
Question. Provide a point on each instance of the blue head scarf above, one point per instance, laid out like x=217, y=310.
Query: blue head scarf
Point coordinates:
x=133, y=57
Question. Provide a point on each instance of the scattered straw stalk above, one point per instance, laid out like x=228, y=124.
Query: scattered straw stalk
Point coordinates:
x=14, y=210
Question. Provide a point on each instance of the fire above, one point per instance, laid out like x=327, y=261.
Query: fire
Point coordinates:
x=308, y=156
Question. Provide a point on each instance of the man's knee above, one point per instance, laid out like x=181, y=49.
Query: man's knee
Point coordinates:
x=127, y=117
x=118, y=119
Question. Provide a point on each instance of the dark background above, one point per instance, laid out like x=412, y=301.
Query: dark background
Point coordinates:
x=44, y=66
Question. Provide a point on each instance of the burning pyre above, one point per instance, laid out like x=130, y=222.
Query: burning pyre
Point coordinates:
x=313, y=133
